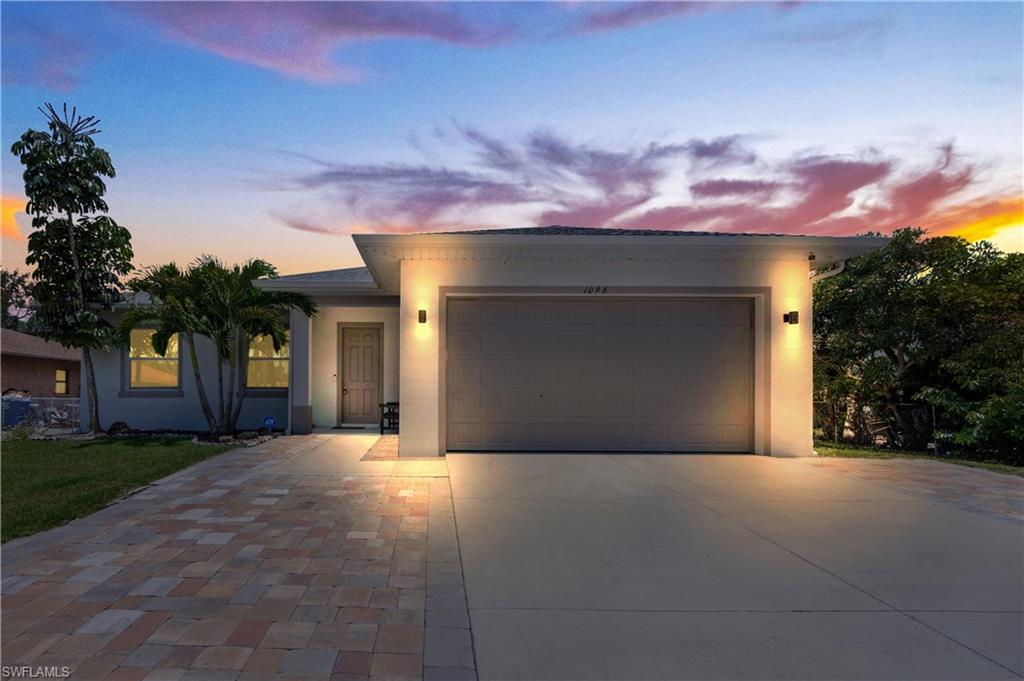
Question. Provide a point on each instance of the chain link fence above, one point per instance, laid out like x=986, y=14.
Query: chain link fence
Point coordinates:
x=41, y=414
x=896, y=426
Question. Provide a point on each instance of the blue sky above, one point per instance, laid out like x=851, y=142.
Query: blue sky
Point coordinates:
x=276, y=130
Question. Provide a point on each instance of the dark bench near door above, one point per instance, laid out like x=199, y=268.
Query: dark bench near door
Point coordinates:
x=388, y=416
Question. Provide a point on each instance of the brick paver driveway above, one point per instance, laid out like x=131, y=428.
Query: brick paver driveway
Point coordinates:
x=299, y=560
x=739, y=567
x=268, y=561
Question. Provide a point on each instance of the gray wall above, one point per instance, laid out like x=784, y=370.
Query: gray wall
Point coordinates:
x=175, y=410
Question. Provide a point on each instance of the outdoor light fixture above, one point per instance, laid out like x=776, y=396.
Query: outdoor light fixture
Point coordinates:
x=791, y=317
x=423, y=316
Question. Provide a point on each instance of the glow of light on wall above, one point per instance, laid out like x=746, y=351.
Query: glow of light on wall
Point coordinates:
x=424, y=331
x=792, y=335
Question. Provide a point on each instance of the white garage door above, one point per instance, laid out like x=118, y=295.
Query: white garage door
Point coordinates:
x=599, y=374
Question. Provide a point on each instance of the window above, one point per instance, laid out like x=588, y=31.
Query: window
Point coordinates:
x=60, y=380
x=266, y=368
x=146, y=369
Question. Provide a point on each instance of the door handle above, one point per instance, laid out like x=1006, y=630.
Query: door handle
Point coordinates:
x=344, y=390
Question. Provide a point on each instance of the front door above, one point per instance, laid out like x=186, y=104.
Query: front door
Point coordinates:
x=359, y=379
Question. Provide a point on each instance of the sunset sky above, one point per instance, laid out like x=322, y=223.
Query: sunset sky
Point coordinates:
x=277, y=130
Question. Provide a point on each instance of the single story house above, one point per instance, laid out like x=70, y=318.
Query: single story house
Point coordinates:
x=538, y=339
x=41, y=368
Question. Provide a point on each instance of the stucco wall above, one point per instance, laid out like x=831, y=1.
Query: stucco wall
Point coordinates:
x=175, y=410
x=785, y=410
x=325, y=356
x=37, y=375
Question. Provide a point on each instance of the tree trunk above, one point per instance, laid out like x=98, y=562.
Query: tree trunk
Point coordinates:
x=220, y=389
x=200, y=388
x=90, y=390
x=232, y=366
x=90, y=374
x=237, y=411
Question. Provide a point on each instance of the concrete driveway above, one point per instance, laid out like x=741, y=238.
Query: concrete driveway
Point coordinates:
x=739, y=567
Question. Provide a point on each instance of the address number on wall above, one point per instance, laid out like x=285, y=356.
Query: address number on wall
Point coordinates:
x=595, y=289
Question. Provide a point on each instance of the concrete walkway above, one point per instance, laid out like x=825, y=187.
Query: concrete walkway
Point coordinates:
x=732, y=567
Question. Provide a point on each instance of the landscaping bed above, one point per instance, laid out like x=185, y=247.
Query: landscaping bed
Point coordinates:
x=833, y=449
x=46, y=483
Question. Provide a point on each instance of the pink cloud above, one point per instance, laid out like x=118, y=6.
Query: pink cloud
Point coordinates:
x=719, y=188
x=417, y=194
x=491, y=151
x=919, y=195
x=721, y=151
x=829, y=183
x=626, y=14
x=311, y=226
x=591, y=214
x=611, y=16
x=610, y=171
x=825, y=188
x=546, y=178
x=300, y=39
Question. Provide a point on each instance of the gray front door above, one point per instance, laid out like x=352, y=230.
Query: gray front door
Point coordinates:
x=654, y=374
x=359, y=382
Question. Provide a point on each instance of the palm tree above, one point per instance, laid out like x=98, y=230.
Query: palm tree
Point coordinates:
x=222, y=304
x=174, y=307
x=239, y=313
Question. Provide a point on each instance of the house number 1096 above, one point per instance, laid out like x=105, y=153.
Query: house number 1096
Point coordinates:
x=596, y=289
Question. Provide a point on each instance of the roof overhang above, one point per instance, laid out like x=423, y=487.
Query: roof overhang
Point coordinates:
x=320, y=287
x=383, y=253
x=16, y=343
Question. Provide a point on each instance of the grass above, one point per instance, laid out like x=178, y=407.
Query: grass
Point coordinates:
x=854, y=452
x=46, y=483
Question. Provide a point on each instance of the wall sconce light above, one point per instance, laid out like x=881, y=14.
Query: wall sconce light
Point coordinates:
x=423, y=316
x=791, y=317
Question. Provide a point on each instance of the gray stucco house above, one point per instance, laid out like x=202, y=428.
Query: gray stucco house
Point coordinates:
x=539, y=339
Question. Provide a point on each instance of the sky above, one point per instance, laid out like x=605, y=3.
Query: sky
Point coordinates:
x=277, y=130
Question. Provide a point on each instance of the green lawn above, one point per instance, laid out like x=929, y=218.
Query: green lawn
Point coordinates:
x=853, y=452
x=45, y=483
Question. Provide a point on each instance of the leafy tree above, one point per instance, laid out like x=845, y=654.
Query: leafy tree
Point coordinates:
x=982, y=403
x=79, y=253
x=899, y=326
x=219, y=303
x=16, y=299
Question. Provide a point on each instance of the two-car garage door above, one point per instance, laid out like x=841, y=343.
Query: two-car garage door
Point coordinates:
x=599, y=374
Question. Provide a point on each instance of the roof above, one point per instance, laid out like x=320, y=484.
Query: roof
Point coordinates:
x=561, y=230
x=383, y=253
x=348, y=275
x=345, y=281
x=22, y=344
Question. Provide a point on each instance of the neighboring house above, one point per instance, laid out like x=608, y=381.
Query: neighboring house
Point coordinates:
x=39, y=367
x=538, y=339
